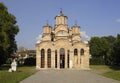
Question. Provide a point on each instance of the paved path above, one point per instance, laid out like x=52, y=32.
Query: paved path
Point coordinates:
x=67, y=76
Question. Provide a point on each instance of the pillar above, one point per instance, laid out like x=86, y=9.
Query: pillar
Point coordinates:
x=71, y=60
x=38, y=58
x=53, y=59
x=81, y=58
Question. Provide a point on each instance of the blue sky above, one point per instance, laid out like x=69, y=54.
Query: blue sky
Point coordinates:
x=96, y=17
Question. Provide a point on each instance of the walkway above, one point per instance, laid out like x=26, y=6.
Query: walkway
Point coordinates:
x=67, y=76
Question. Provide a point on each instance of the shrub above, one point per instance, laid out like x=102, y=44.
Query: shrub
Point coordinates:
x=96, y=61
x=30, y=61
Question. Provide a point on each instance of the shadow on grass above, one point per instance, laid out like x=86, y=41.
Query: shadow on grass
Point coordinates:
x=114, y=67
x=5, y=67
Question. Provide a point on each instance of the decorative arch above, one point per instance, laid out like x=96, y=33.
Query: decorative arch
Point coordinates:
x=42, y=58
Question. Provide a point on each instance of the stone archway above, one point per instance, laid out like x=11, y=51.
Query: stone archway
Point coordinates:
x=62, y=58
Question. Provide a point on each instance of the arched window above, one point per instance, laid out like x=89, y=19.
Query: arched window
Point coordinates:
x=82, y=51
x=49, y=58
x=42, y=52
x=42, y=58
x=75, y=52
x=68, y=57
x=55, y=58
x=49, y=52
x=52, y=36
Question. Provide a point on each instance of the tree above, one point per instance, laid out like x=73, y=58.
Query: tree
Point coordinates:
x=116, y=51
x=8, y=31
x=99, y=48
x=109, y=55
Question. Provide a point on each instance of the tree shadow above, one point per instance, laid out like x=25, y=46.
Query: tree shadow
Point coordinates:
x=114, y=67
x=5, y=67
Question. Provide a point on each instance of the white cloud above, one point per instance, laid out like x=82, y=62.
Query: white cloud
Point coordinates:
x=85, y=38
x=39, y=38
x=118, y=20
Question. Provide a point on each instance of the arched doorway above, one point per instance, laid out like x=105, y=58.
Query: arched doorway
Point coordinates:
x=62, y=58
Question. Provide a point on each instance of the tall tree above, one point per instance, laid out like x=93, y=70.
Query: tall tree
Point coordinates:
x=109, y=55
x=8, y=31
x=99, y=48
x=116, y=51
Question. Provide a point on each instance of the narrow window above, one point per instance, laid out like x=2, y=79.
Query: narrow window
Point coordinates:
x=42, y=58
x=55, y=58
x=68, y=57
x=49, y=58
x=75, y=52
x=82, y=51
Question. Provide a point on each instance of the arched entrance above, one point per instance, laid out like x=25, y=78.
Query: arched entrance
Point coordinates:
x=62, y=58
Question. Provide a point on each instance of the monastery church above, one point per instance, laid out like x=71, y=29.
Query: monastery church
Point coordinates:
x=61, y=47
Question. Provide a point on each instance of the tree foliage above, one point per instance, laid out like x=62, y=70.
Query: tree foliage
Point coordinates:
x=106, y=49
x=116, y=51
x=8, y=30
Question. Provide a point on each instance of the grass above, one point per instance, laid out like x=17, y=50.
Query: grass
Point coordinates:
x=107, y=71
x=115, y=74
x=15, y=77
x=99, y=67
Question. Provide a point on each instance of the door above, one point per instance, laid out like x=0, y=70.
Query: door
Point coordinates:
x=62, y=58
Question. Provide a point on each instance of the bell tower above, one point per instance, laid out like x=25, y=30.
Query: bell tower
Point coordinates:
x=61, y=19
x=76, y=33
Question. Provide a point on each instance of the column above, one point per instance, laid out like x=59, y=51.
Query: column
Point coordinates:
x=71, y=60
x=53, y=59
x=45, y=58
x=82, y=61
x=38, y=59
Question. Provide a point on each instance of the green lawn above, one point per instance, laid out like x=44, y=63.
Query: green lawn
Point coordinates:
x=115, y=74
x=107, y=71
x=23, y=72
x=15, y=77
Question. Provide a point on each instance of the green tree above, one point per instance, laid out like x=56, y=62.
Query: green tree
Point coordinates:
x=109, y=54
x=8, y=31
x=99, y=48
x=116, y=51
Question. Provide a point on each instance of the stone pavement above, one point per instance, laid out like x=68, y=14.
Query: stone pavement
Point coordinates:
x=67, y=76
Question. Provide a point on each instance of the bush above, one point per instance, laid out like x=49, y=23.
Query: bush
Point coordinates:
x=96, y=61
x=30, y=61
x=9, y=61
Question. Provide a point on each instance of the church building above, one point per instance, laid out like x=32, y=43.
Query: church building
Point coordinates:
x=61, y=47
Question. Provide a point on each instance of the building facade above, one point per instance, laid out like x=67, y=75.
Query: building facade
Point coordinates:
x=62, y=47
